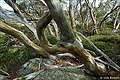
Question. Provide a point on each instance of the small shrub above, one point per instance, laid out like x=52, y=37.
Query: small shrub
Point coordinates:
x=10, y=55
x=109, y=44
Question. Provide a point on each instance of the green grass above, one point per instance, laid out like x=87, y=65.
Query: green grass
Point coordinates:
x=10, y=55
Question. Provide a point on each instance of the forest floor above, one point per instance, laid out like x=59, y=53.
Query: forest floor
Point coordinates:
x=21, y=62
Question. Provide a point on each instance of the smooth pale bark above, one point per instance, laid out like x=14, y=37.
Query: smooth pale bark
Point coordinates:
x=74, y=48
x=66, y=32
x=118, y=25
x=67, y=36
x=59, y=17
x=43, y=51
x=88, y=60
x=41, y=25
x=22, y=37
x=55, y=29
x=50, y=30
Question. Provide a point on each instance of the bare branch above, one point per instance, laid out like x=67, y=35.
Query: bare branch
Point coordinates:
x=107, y=14
x=22, y=37
x=116, y=18
x=19, y=13
x=71, y=14
x=100, y=52
x=92, y=16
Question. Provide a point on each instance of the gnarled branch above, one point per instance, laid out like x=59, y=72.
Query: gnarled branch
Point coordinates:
x=22, y=37
x=24, y=20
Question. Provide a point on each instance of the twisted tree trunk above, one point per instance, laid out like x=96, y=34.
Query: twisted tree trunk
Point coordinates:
x=59, y=17
x=70, y=42
x=22, y=37
x=68, y=36
x=41, y=25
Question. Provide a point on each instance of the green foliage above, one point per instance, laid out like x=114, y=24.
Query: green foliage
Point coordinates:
x=10, y=55
x=109, y=24
x=109, y=44
x=107, y=31
x=107, y=28
x=18, y=26
x=52, y=39
x=23, y=78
